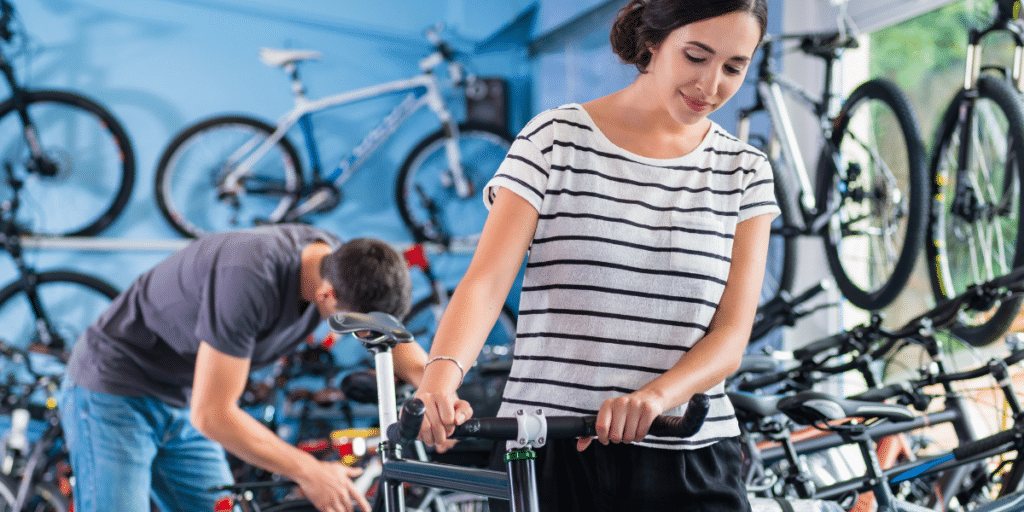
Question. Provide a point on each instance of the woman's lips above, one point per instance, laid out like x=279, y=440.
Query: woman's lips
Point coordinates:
x=695, y=104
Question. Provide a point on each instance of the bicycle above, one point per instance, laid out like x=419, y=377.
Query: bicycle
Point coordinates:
x=869, y=203
x=234, y=171
x=856, y=350
x=379, y=333
x=975, y=222
x=74, y=157
x=45, y=309
x=34, y=475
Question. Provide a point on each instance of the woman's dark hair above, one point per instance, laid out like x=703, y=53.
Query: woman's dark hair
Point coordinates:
x=369, y=275
x=645, y=23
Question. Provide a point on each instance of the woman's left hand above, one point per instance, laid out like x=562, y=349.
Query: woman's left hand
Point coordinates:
x=625, y=419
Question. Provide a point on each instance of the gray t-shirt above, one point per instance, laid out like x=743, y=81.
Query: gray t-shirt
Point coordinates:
x=238, y=292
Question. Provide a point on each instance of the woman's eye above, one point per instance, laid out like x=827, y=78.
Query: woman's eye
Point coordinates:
x=733, y=70
x=694, y=59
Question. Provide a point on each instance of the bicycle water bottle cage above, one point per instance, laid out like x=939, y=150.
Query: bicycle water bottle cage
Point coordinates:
x=374, y=329
x=813, y=407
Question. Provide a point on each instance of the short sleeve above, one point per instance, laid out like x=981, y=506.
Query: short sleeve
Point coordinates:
x=759, y=193
x=525, y=169
x=233, y=304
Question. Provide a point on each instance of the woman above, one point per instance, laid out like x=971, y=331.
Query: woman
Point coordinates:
x=647, y=231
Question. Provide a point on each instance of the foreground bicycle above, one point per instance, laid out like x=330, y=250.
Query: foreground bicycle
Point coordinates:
x=975, y=223
x=869, y=202
x=75, y=159
x=235, y=171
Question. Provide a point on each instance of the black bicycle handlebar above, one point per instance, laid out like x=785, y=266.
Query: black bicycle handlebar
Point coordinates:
x=558, y=427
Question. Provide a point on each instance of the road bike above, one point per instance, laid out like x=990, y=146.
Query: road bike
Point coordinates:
x=869, y=202
x=73, y=156
x=234, y=171
x=45, y=309
x=975, y=222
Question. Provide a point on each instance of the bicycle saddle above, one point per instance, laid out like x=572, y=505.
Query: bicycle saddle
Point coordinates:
x=751, y=408
x=811, y=407
x=382, y=328
x=279, y=58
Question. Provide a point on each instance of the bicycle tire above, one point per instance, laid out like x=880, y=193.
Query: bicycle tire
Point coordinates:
x=93, y=169
x=71, y=301
x=192, y=167
x=780, y=271
x=425, y=315
x=424, y=191
x=953, y=242
x=872, y=242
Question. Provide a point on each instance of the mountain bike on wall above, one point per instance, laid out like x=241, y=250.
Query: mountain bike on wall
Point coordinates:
x=236, y=171
x=868, y=203
x=976, y=209
x=74, y=159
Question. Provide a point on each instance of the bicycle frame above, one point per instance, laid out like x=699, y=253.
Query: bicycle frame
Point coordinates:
x=430, y=97
x=772, y=90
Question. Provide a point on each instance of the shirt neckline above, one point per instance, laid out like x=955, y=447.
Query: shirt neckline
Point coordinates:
x=657, y=161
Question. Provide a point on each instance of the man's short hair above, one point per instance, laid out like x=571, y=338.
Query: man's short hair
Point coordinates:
x=369, y=275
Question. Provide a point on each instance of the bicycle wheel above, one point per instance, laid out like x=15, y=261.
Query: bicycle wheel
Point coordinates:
x=70, y=302
x=190, y=176
x=425, y=191
x=781, y=267
x=873, y=239
x=87, y=170
x=425, y=315
x=981, y=241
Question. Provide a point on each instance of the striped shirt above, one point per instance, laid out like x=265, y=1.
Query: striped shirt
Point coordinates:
x=627, y=265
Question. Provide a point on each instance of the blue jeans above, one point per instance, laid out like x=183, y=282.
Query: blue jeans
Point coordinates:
x=127, y=450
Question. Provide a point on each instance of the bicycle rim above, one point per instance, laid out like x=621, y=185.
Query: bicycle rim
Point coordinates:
x=965, y=251
x=88, y=169
x=190, y=181
x=70, y=301
x=426, y=194
x=873, y=239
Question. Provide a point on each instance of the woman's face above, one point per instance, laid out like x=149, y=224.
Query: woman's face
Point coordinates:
x=699, y=66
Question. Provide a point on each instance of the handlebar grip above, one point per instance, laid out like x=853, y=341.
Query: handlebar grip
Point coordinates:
x=985, y=444
x=685, y=425
x=882, y=393
x=408, y=425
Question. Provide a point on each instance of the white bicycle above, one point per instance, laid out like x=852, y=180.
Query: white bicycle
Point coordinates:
x=235, y=171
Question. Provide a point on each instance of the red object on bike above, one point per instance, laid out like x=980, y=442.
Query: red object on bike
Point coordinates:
x=223, y=505
x=415, y=257
x=329, y=340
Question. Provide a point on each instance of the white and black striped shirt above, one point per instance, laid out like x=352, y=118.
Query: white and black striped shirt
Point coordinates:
x=627, y=265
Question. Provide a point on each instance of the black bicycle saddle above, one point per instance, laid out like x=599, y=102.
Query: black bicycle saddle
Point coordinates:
x=382, y=328
x=811, y=407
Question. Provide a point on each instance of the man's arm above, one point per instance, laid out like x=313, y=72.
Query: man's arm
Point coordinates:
x=218, y=384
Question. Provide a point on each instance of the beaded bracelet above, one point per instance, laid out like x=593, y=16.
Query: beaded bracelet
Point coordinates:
x=452, y=359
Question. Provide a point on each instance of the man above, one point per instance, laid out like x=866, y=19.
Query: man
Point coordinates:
x=150, y=399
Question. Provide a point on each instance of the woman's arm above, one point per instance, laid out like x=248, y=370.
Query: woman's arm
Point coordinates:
x=716, y=356
x=472, y=311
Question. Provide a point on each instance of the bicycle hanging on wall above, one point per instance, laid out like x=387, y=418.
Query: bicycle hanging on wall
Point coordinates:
x=72, y=155
x=236, y=171
x=869, y=202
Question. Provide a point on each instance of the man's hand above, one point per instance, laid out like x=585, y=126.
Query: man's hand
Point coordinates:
x=329, y=487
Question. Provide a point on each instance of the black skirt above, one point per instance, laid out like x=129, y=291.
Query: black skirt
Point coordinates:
x=622, y=477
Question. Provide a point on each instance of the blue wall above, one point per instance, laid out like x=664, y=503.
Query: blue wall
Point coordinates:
x=160, y=65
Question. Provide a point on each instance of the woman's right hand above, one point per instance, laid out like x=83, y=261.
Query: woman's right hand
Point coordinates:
x=443, y=412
